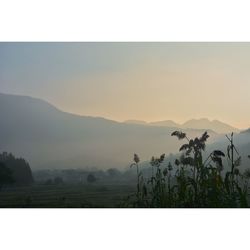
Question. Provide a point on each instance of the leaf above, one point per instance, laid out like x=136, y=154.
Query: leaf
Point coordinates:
x=184, y=147
x=180, y=135
x=177, y=162
x=152, y=162
x=162, y=157
x=218, y=153
x=191, y=143
x=187, y=161
x=165, y=171
x=204, y=137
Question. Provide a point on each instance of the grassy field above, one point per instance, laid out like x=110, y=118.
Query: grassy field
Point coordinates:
x=65, y=196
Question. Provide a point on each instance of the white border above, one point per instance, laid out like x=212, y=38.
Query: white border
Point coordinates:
x=113, y=229
x=124, y=20
x=129, y=20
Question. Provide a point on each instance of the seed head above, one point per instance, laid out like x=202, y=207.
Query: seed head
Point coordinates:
x=136, y=158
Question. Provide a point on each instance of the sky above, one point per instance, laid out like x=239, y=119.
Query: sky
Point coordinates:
x=142, y=81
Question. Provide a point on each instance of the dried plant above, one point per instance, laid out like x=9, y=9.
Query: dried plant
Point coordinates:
x=192, y=182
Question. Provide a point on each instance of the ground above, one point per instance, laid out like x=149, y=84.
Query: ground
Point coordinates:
x=66, y=196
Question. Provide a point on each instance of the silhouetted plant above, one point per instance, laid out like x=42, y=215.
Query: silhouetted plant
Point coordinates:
x=192, y=182
x=142, y=192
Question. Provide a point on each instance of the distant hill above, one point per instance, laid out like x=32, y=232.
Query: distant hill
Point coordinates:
x=215, y=125
x=246, y=131
x=167, y=123
x=136, y=122
x=49, y=138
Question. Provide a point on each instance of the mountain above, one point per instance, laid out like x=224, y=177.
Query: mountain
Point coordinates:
x=167, y=123
x=138, y=122
x=205, y=124
x=246, y=131
x=50, y=138
x=215, y=125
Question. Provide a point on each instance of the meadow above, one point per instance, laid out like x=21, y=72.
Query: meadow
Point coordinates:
x=66, y=196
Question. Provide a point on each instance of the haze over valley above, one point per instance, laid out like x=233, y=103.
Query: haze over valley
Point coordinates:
x=50, y=138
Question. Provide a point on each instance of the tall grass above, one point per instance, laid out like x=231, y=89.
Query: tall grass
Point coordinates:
x=192, y=181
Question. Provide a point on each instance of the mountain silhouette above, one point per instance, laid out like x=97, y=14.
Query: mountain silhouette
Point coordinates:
x=167, y=123
x=204, y=123
x=136, y=122
x=50, y=138
x=215, y=125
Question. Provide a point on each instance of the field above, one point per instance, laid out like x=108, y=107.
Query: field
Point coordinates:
x=66, y=196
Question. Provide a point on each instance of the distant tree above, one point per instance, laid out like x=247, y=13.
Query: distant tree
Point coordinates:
x=58, y=181
x=6, y=177
x=113, y=173
x=91, y=178
x=21, y=171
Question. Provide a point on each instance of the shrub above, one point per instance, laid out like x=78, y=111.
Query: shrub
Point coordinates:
x=91, y=178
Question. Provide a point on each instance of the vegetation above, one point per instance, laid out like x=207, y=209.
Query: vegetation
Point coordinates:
x=58, y=181
x=65, y=196
x=18, y=168
x=91, y=178
x=191, y=181
x=6, y=177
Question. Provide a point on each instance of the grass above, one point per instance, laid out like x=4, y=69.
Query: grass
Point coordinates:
x=66, y=196
x=192, y=182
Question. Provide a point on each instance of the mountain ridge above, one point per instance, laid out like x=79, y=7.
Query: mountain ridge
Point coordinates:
x=202, y=123
x=50, y=138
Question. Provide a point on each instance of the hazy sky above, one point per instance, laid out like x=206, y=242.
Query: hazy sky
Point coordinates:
x=143, y=81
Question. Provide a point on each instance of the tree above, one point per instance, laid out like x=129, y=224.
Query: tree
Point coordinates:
x=21, y=171
x=6, y=177
x=113, y=173
x=91, y=178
